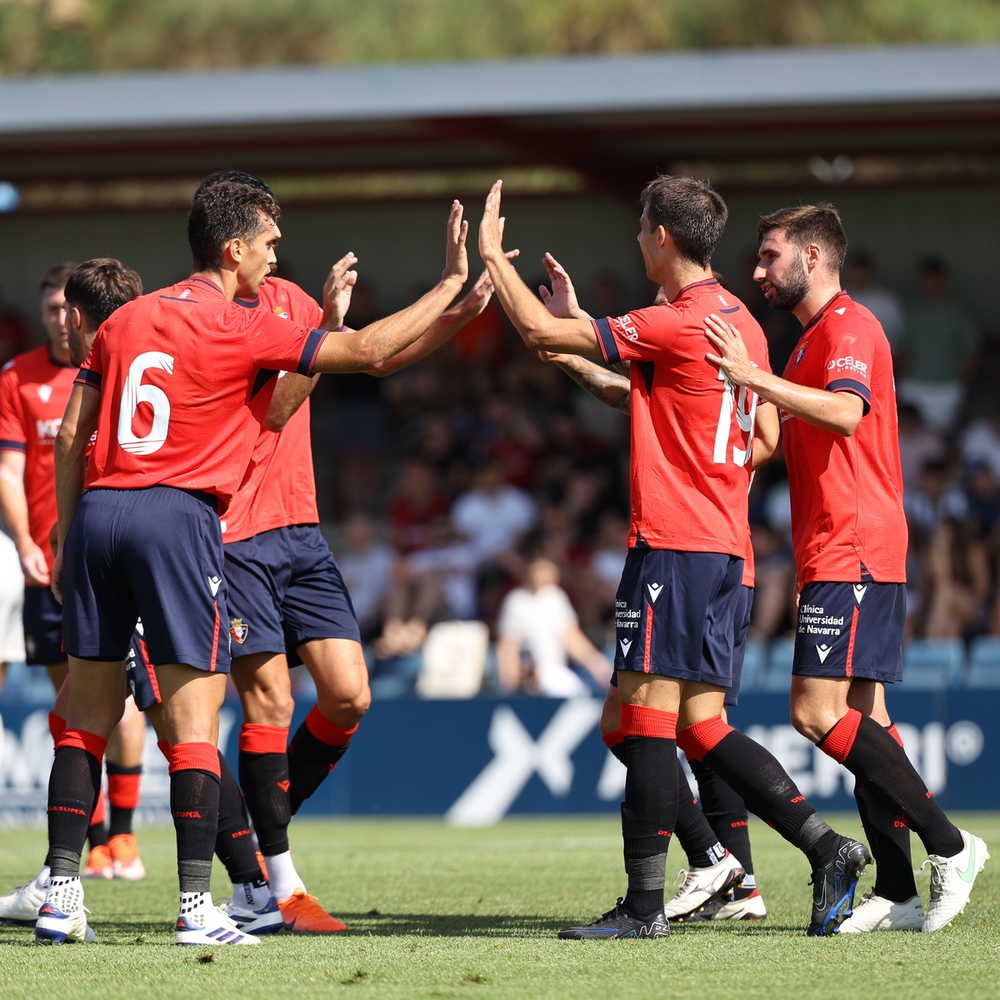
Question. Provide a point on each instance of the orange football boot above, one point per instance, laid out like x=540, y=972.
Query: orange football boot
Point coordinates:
x=302, y=913
x=99, y=863
x=125, y=860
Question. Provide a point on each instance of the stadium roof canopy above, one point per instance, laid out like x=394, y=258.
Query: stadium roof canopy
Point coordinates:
x=748, y=119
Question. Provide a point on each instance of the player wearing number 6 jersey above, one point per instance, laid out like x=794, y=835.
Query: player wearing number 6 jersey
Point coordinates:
x=677, y=602
x=176, y=385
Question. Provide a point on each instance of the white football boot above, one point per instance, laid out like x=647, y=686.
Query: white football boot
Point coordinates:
x=702, y=885
x=952, y=880
x=63, y=917
x=876, y=913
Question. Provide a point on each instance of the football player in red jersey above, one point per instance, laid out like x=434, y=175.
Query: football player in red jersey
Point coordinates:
x=286, y=591
x=838, y=405
x=176, y=386
x=677, y=602
x=34, y=390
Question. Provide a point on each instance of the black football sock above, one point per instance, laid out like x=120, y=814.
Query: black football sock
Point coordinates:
x=692, y=829
x=870, y=753
x=762, y=783
x=265, y=782
x=727, y=815
x=233, y=842
x=123, y=795
x=97, y=830
x=650, y=807
x=73, y=785
x=194, y=805
x=315, y=750
x=889, y=839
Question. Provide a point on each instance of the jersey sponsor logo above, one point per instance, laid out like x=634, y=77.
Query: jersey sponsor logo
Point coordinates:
x=627, y=327
x=859, y=591
x=626, y=645
x=824, y=651
x=654, y=590
x=848, y=364
x=214, y=582
x=239, y=629
x=48, y=430
x=44, y=392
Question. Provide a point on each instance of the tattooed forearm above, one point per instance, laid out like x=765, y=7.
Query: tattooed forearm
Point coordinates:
x=609, y=387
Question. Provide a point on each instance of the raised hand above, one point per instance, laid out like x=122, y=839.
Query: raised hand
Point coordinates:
x=561, y=301
x=456, y=260
x=491, y=226
x=733, y=357
x=337, y=291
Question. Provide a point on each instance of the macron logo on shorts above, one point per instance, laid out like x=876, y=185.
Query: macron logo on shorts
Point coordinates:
x=626, y=645
x=654, y=590
x=859, y=591
x=214, y=582
x=824, y=652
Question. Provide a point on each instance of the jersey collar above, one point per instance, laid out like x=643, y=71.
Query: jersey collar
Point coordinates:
x=823, y=311
x=204, y=282
x=704, y=283
x=56, y=361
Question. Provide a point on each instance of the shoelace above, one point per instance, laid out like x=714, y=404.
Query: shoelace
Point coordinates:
x=937, y=877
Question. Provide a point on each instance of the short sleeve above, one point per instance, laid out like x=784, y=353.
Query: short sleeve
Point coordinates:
x=12, y=435
x=638, y=335
x=275, y=342
x=850, y=357
x=92, y=370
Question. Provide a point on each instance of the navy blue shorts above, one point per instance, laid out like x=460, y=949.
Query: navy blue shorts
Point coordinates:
x=851, y=630
x=743, y=609
x=675, y=614
x=43, y=628
x=285, y=589
x=143, y=684
x=151, y=554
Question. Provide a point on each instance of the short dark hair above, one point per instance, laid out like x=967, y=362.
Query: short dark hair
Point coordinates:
x=804, y=224
x=57, y=276
x=100, y=286
x=227, y=210
x=231, y=177
x=691, y=211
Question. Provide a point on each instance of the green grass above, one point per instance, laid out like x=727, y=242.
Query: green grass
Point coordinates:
x=438, y=912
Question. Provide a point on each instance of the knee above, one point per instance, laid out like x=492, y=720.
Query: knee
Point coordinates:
x=811, y=722
x=268, y=706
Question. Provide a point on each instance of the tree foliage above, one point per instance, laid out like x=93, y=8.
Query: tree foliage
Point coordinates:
x=43, y=36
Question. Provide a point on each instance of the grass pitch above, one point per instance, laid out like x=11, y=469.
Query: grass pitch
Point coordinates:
x=439, y=912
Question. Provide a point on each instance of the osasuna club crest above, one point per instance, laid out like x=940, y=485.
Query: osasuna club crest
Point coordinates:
x=238, y=629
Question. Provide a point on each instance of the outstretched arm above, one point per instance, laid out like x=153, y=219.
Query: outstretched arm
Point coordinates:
x=608, y=386
x=374, y=344
x=837, y=412
x=538, y=328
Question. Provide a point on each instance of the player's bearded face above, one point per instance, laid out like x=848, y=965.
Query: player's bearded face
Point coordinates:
x=791, y=287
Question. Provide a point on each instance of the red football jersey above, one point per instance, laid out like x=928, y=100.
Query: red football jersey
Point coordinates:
x=34, y=390
x=692, y=430
x=185, y=377
x=846, y=492
x=279, y=487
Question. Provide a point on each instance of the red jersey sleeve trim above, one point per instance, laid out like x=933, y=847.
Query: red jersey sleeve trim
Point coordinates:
x=6, y=445
x=309, y=351
x=88, y=377
x=849, y=385
x=607, y=341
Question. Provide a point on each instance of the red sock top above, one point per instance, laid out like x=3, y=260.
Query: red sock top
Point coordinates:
x=894, y=733
x=326, y=731
x=638, y=720
x=263, y=739
x=94, y=745
x=195, y=757
x=613, y=739
x=57, y=726
x=838, y=742
x=703, y=737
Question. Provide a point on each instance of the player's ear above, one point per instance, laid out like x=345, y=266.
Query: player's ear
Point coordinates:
x=813, y=255
x=233, y=250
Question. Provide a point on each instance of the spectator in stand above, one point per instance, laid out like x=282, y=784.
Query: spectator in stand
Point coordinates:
x=367, y=568
x=918, y=444
x=494, y=514
x=417, y=502
x=886, y=308
x=539, y=620
x=981, y=442
x=936, y=350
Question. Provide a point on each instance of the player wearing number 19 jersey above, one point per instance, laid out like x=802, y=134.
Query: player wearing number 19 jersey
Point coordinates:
x=678, y=599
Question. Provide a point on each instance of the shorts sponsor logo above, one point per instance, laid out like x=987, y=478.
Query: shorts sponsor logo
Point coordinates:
x=859, y=591
x=626, y=645
x=813, y=620
x=238, y=630
x=823, y=651
x=654, y=590
x=214, y=582
x=625, y=617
